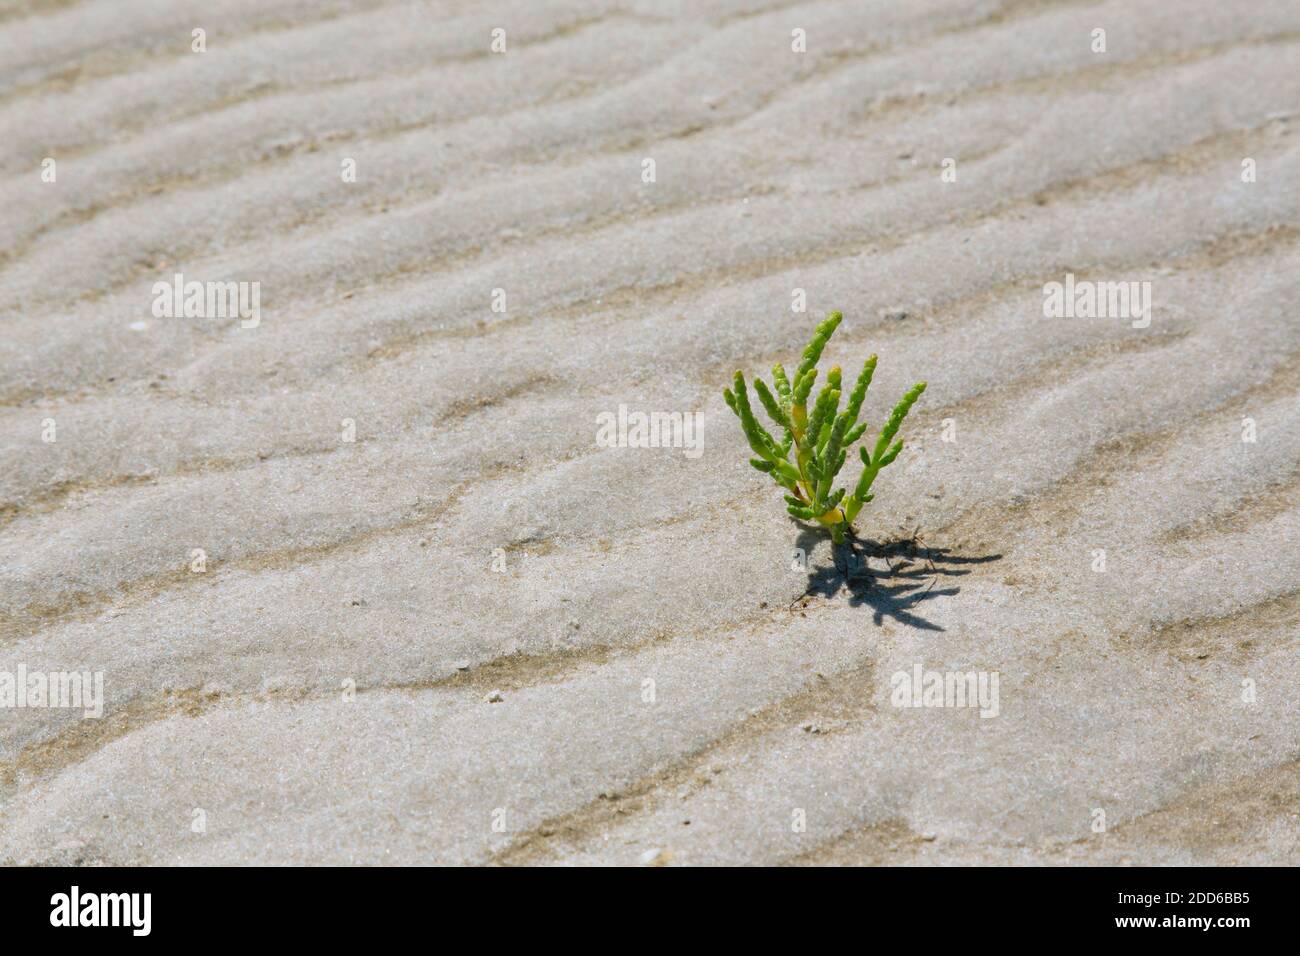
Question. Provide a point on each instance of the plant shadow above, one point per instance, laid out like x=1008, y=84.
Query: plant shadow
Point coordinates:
x=904, y=576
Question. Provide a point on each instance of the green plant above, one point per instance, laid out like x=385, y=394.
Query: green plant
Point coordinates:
x=819, y=440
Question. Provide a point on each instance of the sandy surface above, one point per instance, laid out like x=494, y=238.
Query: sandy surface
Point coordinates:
x=472, y=634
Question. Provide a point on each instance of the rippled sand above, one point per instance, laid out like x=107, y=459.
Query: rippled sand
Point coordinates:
x=471, y=634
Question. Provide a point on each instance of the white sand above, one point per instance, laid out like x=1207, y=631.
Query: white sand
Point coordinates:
x=1160, y=692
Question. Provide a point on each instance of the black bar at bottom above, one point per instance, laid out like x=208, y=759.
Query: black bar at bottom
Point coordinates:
x=337, y=905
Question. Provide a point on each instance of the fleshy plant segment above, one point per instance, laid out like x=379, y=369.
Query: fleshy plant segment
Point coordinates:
x=815, y=442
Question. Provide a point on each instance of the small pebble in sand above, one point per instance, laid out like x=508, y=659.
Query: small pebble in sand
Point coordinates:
x=494, y=697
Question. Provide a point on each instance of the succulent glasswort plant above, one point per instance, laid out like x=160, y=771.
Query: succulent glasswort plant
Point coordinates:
x=819, y=440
